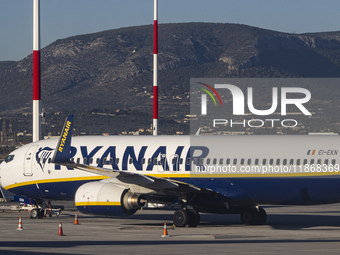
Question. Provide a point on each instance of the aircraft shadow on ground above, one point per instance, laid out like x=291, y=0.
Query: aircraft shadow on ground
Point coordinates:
x=276, y=221
x=300, y=221
x=73, y=244
x=7, y=252
x=282, y=221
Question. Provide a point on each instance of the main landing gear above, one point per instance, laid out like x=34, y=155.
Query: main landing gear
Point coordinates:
x=183, y=217
x=250, y=216
x=254, y=216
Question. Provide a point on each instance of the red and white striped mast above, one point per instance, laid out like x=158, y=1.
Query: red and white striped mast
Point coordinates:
x=155, y=86
x=36, y=72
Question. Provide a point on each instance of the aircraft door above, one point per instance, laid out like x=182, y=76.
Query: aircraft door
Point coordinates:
x=174, y=163
x=162, y=164
x=29, y=160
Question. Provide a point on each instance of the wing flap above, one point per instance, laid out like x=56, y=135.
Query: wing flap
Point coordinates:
x=150, y=182
x=62, y=157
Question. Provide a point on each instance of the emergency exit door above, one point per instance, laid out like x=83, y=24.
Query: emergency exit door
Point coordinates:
x=29, y=160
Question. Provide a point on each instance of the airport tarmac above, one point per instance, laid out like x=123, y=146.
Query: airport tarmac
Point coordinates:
x=289, y=229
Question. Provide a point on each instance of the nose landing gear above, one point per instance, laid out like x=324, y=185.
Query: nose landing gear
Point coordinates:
x=37, y=213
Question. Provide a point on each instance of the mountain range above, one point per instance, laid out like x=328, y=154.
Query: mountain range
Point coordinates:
x=111, y=71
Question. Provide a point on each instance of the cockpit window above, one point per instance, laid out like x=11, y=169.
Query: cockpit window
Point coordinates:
x=9, y=158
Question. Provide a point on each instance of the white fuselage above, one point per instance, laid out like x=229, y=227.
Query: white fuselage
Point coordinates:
x=195, y=159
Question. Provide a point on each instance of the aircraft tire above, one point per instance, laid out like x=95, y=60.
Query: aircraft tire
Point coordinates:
x=249, y=216
x=34, y=213
x=194, y=218
x=261, y=217
x=181, y=218
x=41, y=213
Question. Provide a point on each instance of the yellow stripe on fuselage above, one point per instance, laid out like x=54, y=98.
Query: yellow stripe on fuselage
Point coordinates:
x=244, y=175
x=176, y=176
x=88, y=178
x=98, y=203
x=170, y=175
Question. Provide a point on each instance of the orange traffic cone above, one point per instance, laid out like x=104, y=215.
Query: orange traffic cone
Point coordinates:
x=20, y=225
x=165, y=231
x=76, y=219
x=60, y=233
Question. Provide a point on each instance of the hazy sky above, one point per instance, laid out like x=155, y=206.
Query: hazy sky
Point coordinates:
x=64, y=18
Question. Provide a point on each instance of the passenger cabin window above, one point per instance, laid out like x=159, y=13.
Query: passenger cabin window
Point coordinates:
x=278, y=162
x=312, y=161
x=249, y=161
x=264, y=161
x=242, y=161
x=326, y=161
x=319, y=161
x=291, y=162
x=284, y=162
x=228, y=161
x=271, y=161
x=235, y=161
x=333, y=162
x=298, y=162
x=305, y=161
x=214, y=161
x=208, y=161
x=221, y=161
x=257, y=161
x=174, y=160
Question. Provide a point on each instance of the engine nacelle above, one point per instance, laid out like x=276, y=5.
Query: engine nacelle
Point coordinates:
x=103, y=198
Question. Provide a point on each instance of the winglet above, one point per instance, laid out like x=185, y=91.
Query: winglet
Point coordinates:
x=62, y=151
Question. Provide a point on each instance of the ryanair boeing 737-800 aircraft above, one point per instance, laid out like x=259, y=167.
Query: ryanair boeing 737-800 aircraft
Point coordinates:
x=116, y=175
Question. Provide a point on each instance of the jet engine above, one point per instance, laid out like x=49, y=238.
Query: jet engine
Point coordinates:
x=103, y=198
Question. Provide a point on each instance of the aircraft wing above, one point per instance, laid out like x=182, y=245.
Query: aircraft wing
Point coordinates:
x=62, y=157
